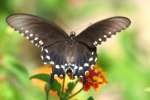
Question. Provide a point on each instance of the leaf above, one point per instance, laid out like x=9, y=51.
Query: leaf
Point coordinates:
x=54, y=85
x=20, y=67
x=64, y=96
x=12, y=62
x=90, y=98
x=15, y=69
x=70, y=86
x=43, y=77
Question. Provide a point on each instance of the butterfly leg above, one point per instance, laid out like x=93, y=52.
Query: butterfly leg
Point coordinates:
x=84, y=80
x=52, y=75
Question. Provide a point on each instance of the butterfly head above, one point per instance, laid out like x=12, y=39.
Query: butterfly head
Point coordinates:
x=69, y=72
x=72, y=35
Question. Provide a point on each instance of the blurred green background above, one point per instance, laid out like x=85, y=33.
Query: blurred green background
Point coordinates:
x=125, y=58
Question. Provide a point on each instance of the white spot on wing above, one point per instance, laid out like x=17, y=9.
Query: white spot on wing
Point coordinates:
x=105, y=36
x=76, y=77
x=27, y=37
x=55, y=75
x=86, y=64
x=95, y=43
x=95, y=59
x=42, y=57
x=36, y=38
x=48, y=57
x=92, y=53
x=41, y=49
x=91, y=58
x=80, y=68
x=31, y=35
x=75, y=67
x=72, y=64
x=100, y=39
x=109, y=33
x=26, y=31
x=62, y=66
x=61, y=75
x=45, y=62
x=41, y=42
x=92, y=66
x=46, y=50
x=51, y=62
x=57, y=67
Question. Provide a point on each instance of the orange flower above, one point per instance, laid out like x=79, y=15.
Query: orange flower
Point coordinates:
x=95, y=78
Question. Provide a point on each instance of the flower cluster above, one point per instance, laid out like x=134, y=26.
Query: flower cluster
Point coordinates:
x=65, y=88
x=94, y=78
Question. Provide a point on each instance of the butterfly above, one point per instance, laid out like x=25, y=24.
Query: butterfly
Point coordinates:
x=68, y=54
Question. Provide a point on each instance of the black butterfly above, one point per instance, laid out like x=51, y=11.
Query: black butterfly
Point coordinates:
x=72, y=55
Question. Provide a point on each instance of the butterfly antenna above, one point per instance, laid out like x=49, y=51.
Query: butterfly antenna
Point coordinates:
x=81, y=27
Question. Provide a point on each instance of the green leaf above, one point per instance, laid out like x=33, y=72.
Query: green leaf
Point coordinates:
x=54, y=85
x=10, y=61
x=64, y=96
x=71, y=86
x=20, y=67
x=90, y=98
x=43, y=77
x=15, y=69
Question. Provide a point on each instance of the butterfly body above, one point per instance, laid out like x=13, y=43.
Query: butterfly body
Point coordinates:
x=72, y=55
x=69, y=57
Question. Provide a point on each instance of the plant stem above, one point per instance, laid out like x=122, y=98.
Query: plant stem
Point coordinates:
x=47, y=95
x=46, y=91
x=63, y=85
x=76, y=93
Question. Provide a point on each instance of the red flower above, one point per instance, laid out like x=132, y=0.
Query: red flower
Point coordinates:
x=95, y=78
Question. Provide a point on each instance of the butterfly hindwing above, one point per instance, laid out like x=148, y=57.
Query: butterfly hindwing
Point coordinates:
x=100, y=31
x=64, y=54
x=40, y=32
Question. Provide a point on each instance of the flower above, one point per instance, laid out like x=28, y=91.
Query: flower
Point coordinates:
x=94, y=78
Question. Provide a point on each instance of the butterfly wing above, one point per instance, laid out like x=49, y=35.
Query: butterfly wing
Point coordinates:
x=39, y=31
x=64, y=55
x=100, y=31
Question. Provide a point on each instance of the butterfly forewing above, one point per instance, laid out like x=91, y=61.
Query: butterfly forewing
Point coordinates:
x=37, y=30
x=100, y=31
